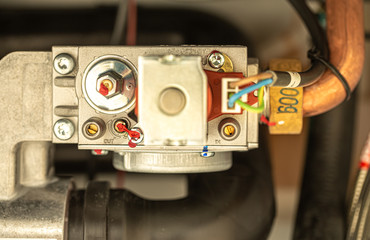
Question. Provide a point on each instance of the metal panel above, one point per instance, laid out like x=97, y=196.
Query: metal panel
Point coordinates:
x=25, y=104
x=184, y=79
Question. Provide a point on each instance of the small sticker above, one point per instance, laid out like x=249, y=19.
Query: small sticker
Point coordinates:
x=286, y=108
x=295, y=79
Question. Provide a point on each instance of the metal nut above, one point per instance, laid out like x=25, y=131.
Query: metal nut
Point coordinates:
x=109, y=84
x=64, y=129
x=216, y=59
x=64, y=64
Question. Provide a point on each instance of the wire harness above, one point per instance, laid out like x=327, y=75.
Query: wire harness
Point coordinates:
x=247, y=90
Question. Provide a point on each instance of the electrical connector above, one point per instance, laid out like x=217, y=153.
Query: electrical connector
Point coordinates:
x=226, y=91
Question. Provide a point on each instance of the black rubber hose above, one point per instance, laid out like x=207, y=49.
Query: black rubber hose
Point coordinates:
x=322, y=207
x=235, y=204
x=320, y=44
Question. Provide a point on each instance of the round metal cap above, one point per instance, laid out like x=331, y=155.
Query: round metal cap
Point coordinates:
x=172, y=101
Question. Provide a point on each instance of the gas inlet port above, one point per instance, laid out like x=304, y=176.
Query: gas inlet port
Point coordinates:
x=229, y=129
x=93, y=128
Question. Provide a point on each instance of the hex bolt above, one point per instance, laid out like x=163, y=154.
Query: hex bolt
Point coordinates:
x=216, y=59
x=109, y=84
x=64, y=63
x=64, y=129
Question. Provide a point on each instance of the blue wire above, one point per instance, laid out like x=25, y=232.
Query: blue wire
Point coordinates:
x=247, y=90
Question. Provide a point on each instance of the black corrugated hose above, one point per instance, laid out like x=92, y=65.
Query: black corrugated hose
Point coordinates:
x=236, y=204
x=322, y=206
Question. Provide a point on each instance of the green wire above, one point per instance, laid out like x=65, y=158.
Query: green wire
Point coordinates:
x=261, y=104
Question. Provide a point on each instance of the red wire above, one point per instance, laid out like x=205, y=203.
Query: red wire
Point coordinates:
x=133, y=134
x=131, y=41
x=98, y=151
x=266, y=121
x=365, y=155
x=120, y=179
x=131, y=23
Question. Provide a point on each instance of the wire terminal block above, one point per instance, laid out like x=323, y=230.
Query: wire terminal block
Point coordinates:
x=226, y=91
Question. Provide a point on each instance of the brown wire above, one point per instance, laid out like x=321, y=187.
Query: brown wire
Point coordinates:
x=131, y=23
x=250, y=79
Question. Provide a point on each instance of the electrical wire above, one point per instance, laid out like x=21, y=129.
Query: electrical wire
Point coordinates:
x=334, y=70
x=120, y=23
x=244, y=81
x=131, y=35
x=312, y=23
x=131, y=23
x=249, y=108
x=120, y=179
x=319, y=41
x=265, y=120
x=247, y=90
x=358, y=200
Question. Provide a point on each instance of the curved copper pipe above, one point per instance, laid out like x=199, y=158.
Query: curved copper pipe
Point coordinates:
x=345, y=32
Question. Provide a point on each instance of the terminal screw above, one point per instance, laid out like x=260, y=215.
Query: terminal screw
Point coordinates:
x=93, y=128
x=64, y=129
x=229, y=129
x=64, y=64
x=216, y=59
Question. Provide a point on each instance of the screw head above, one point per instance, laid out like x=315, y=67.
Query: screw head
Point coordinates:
x=64, y=63
x=64, y=129
x=93, y=128
x=229, y=130
x=216, y=60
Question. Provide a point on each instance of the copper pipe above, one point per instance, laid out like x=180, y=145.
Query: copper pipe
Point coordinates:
x=345, y=31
